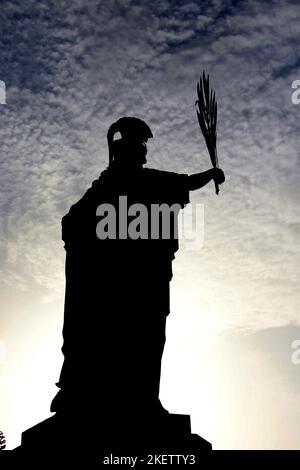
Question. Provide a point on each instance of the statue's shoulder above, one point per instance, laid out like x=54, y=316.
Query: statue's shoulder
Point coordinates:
x=166, y=177
x=170, y=186
x=80, y=214
x=159, y=174
x=85, y=202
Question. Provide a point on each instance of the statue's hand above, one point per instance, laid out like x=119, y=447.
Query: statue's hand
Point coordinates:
x=218, y=175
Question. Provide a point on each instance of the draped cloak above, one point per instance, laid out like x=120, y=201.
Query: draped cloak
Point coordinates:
x=117, y=296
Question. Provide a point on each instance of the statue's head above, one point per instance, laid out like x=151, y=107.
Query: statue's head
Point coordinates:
x=130, y=149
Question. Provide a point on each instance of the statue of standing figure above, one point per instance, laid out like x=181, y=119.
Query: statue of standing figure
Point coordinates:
x=117, y=289
x=117, y=294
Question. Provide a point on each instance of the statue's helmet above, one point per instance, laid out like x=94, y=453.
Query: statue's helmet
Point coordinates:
x=130, y=128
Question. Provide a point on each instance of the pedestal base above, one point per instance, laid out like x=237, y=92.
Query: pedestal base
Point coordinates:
x=69, y=439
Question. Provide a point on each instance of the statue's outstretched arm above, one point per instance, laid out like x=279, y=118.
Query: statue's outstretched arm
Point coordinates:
x=198, y=180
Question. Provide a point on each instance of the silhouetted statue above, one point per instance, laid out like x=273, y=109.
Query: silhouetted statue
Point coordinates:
x=118, y=270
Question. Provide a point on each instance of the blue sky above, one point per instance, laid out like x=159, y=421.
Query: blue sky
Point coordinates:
x=71, y=69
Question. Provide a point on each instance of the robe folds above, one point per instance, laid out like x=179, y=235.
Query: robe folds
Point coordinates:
x=117, y=295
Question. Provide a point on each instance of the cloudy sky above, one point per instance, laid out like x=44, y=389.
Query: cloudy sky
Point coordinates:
x=71, y=68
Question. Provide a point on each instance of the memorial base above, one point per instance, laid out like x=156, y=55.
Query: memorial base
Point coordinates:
x=132, y=441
